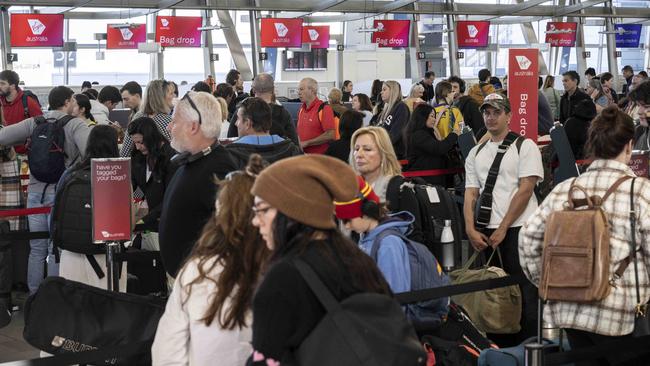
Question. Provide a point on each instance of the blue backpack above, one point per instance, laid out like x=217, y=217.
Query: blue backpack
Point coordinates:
x=426, y=273
x=45, y=151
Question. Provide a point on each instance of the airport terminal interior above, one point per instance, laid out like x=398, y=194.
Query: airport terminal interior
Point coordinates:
x=324, y=182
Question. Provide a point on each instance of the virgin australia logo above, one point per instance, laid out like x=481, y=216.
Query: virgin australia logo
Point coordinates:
x=36, y=26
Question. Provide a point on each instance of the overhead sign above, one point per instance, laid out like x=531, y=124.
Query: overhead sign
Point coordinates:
x=391, y=33
x=178, y=31
x=640, y=163
x=282, y=32
x=36, y=30
x=125, y=37
x=628, y=35
x=472, y=34
x=522, y=90
x=318, y=36
x=111, y=199
x=561, y=34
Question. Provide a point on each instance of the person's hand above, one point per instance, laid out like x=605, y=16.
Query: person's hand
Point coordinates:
x=497, y=237
x=478, y=240
x=303, y=144
x=456, y=129
x=594, y=94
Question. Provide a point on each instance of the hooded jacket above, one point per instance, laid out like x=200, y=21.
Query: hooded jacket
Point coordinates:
x=576, y=126
x=270, y=152
x=393, y=256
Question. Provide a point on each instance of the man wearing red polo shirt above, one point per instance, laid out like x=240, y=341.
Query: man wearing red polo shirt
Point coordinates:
x=315, y=124
x=11, y=97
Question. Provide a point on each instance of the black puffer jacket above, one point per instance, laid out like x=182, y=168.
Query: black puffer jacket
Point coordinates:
x=577, y=125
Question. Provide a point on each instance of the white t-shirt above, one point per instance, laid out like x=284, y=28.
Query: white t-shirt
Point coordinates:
x=515, y=165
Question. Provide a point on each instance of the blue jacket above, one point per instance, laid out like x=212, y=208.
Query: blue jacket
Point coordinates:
x=393, y=257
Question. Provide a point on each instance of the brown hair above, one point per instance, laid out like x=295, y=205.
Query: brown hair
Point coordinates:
x=549, y=82
x=609, y=133
x=364, y=102
x=231, y=240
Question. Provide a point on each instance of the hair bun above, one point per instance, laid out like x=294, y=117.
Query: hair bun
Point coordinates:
x=255, y=165
x=609, y=114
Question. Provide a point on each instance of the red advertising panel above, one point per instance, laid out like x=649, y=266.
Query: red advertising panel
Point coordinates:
x=472, y=34
x=36, y=30
x=111, y=189
x=282, y=32
x=125, y=37
x=640, y=163
x=561, y=34
x=316, y=35
x=391, y=33
x=522, y=90
x=178, y=31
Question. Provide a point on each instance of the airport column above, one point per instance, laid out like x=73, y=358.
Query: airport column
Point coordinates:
x=452, y=41
x=612, y=62
x=5, y=44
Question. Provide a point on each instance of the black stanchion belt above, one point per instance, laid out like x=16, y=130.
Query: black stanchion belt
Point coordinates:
x=92, y=356
x=597, y=351
x=25, y=235
x=436, y=293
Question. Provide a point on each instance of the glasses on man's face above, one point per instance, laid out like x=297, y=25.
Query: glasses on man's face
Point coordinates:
x=189, y=100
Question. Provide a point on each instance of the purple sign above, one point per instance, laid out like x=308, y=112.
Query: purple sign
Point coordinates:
x=628, y=35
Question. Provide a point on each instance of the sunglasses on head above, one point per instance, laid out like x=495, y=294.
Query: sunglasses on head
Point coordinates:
x=189, y=100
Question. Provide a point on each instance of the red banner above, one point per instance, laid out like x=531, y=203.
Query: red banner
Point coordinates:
x=111, y=189
x=391, y=33
x=36, y=30
x=316, y=35
x=522, y=90
x=282, y=32
x=472, y=34
x=178, y=31
x=125, y=37
x=640, y=163
x=561, y=34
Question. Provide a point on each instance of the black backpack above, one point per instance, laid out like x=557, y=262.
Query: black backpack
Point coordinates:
x=45, y=151
x=72, y=219
x=28, y=93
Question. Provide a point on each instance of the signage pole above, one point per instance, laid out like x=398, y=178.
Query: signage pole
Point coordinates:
x=454, y=64
x=5, y=43
x=109, y=266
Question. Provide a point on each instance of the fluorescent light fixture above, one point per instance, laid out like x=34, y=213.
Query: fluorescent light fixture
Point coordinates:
x=210, y=28
x=121, y=26
x=619, y=31
x=560, y=31
x=367, y=30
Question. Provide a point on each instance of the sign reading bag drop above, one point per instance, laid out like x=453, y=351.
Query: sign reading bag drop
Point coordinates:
x=111, y=193
x=282, y=32
x=561, y=34
x=522, y=90
x=391, y=33
x=318, y=36
x=36, y=30
x=178, y=31
x=125, y=38
x=472, y=34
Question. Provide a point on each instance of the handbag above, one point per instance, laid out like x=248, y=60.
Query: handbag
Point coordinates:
x=496, y=311
x=65, y=316
x=641, y=318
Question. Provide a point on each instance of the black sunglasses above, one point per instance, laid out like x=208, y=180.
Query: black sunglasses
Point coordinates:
x=187, y=96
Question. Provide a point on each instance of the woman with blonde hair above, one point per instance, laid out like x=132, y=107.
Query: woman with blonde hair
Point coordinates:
x=208, y=315
x=225, y=124
x=415, y=96
x=552, y=95
x=393, y=114
x=157, y=104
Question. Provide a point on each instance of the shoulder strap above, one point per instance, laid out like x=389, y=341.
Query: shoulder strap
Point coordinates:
x=480, y=147
x=485, y=206
x=25, y=108
x=64, y=120
x=321, y=291
x=618, y=273
x=39, y=119
x=518, y=142
x=374, y=251
x=615, y=186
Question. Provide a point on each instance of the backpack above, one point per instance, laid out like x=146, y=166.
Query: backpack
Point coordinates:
x=365, y=329
x=72, y=220
x=575, y=258
x=45, y=152
x=482, y=92
x=426, y=273
x=28, y=93
x=337, y=119
x=434, y=205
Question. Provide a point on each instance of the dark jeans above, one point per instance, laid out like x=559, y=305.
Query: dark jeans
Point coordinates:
x=581, y=339
x=509, y=249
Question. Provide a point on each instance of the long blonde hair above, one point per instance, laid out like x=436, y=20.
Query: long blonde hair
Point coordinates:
x=394, y=98
x=389, y=165
x=154, y=99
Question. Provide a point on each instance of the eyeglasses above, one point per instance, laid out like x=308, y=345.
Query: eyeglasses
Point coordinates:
x=258, y=212
x=187, y=96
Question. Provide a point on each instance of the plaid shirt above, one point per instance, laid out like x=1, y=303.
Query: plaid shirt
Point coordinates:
x=10, y=190
x=613, y=316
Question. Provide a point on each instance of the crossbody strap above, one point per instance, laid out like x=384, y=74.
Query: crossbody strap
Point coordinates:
x=485, y=201
x=633, y=244
x=314, y=282
x=376, y=244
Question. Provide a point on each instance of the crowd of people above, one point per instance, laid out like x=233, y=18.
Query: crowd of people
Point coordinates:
x=237, y=195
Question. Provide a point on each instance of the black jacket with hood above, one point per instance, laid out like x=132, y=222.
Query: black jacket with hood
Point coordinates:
x=271, y=153
x=577, y=125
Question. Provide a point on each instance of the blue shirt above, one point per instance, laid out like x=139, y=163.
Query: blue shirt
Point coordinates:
x=259, y=140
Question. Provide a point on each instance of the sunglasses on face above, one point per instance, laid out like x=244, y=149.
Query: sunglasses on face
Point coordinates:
x=189, y=100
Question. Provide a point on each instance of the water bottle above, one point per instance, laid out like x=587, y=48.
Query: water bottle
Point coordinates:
x=447, y=243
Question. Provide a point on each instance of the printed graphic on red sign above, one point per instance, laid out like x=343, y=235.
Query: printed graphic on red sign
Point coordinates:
x=178, y=31
x=522, y=90
x=561, y=34
x=316, y=35
x=640, y=163
x=282, y=32
x=36, y=30
x=391, y=33
x=111, y=189
x=124, y=37
x=472, y=34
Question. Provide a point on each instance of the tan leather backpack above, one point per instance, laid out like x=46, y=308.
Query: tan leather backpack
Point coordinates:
x=575, y=259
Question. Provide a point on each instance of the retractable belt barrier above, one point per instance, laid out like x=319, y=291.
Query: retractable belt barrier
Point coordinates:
x=26, y=211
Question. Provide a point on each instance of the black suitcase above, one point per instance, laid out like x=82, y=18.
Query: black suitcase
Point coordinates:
x=147, y=274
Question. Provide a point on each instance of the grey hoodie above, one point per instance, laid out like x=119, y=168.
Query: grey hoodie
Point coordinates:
x=76, y=136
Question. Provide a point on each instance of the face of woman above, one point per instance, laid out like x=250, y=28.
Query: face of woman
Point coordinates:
x=355, y=104
x=366, y=154
x=608, y=83
x=419, y=93
x=431, y=121
x=169, y=96
x=263, y=217
x=77, y=111
x=385, y=93
x=138, y=142
x=359, y=225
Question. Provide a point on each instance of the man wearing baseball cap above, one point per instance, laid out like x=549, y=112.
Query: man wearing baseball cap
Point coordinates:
x=497, y=204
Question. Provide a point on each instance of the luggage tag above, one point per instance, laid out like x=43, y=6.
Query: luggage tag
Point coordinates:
x=433, y=195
